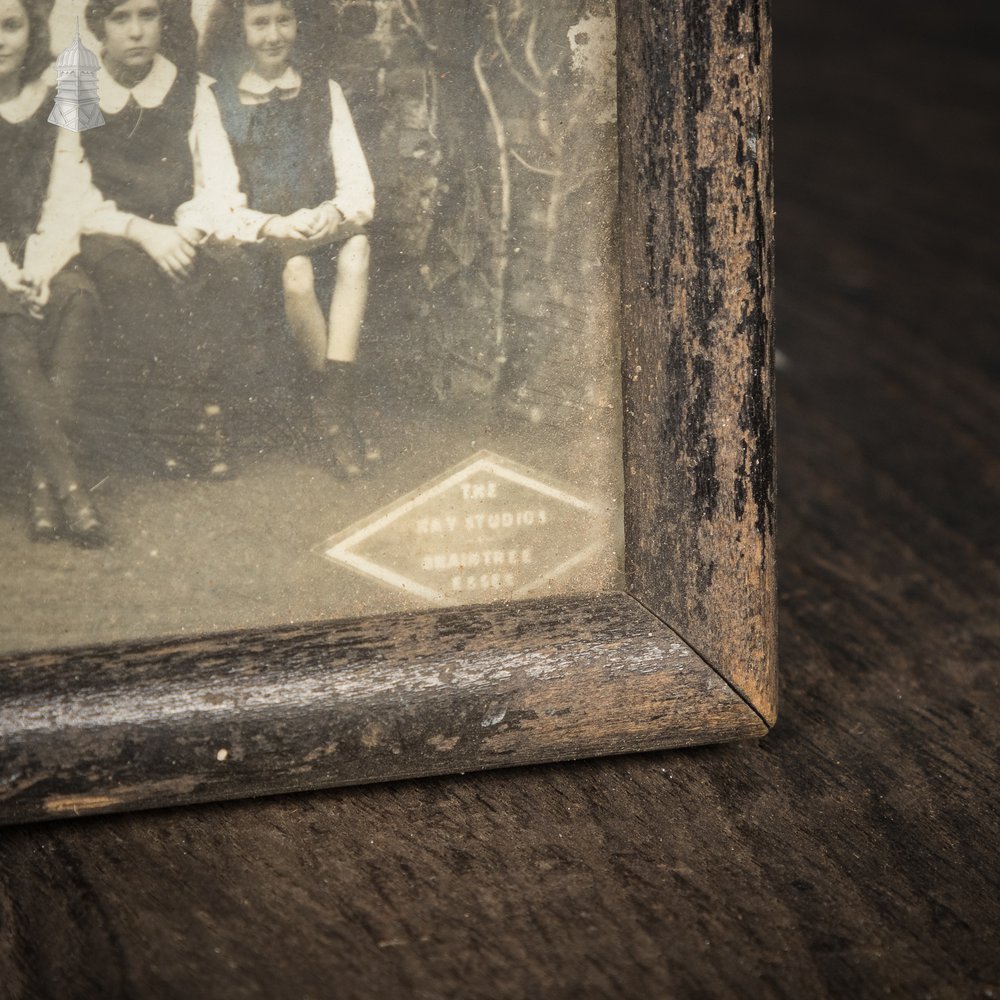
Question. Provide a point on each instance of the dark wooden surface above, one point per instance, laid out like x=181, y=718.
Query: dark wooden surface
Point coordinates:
x=853, y=851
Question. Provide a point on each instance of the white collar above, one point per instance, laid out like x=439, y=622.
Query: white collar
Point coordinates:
x=253, y=83
x=149, y=92
x=22, y=107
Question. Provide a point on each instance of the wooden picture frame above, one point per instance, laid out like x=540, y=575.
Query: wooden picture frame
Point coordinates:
x=684, y=655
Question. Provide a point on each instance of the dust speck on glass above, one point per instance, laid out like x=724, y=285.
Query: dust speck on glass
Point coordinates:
x=320, y=323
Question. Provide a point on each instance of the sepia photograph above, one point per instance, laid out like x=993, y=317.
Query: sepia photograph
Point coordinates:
x=308, y=312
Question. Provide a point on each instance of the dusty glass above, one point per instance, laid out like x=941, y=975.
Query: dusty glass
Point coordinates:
x=252, y=465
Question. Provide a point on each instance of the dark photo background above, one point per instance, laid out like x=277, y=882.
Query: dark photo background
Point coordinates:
x=489, y=128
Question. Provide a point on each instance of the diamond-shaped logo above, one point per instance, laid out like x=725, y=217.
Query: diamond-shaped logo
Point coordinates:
x=485, y=530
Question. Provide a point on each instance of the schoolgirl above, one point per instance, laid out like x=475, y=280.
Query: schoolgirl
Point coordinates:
x=165, y=194
x=300, y=161
x=47, y=306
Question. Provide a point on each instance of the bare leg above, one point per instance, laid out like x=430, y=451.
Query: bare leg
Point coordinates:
x=302, y=309
x=331, y=349
x=349, y=299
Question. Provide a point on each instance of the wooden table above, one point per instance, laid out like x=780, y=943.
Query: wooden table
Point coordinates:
x=851, y=853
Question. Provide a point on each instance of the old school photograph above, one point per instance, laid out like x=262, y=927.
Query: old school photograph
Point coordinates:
x=308, y=311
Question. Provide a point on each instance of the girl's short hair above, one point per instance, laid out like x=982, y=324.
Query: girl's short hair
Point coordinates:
x=178, y=39
x=223, y=47
x=39, y=55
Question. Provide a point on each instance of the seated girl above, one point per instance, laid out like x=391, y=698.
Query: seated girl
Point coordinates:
x=47, y=307
x=300, y=161
x=164, y=192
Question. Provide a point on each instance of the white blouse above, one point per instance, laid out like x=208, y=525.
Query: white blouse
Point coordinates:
x=217, y=207
x=56, y=239
x=354, y=196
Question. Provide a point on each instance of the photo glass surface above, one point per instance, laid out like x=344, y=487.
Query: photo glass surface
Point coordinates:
x=320, y=323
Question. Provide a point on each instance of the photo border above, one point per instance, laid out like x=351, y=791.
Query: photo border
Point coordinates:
x=685, y=655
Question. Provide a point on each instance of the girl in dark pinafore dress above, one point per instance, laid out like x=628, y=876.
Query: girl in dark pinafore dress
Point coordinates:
x=47, y=307
x=165, y=196
x=300, y=161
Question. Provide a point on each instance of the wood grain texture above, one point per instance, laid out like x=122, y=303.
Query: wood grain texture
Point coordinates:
x=697, y=213
x=850, y=853
x=371, y=700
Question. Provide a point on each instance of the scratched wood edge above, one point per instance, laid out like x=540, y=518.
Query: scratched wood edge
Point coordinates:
x=372, y=700
x=697, y=251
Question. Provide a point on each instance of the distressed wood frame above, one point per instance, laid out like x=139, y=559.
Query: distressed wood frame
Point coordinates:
x=686, y=655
